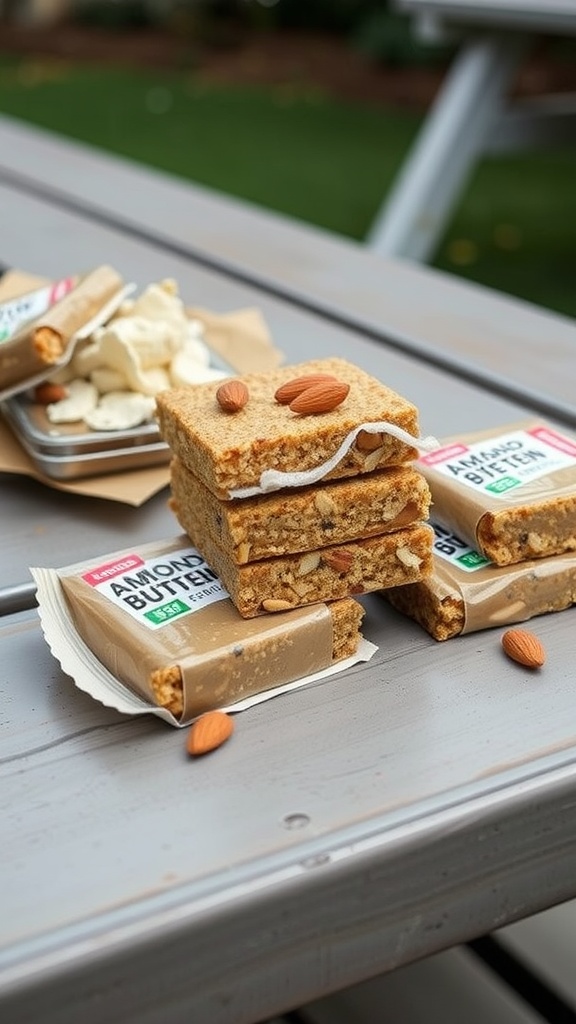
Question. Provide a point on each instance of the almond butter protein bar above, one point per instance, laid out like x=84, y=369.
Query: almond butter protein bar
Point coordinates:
x=158, y=618
x=510, y=492
x=43, y=341
x=324, y=574
x=466, y=593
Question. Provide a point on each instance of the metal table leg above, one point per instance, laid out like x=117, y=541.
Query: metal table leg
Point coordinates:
x=454, y=133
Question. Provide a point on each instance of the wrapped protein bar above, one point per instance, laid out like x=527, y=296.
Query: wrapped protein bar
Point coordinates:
x=36, y=329
x=510, y=492
x=152, y=628
x=466, y=592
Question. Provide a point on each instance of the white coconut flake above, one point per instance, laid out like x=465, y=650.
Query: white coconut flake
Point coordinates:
x=81, y=399
x=275, y=479
x=120, y=410
x=185, y=370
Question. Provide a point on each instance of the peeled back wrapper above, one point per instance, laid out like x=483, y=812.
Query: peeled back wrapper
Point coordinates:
x=152, y=630
x=43, y=343
x=467, y=593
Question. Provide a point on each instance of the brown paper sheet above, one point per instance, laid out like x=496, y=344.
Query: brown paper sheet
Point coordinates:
x=241, y=338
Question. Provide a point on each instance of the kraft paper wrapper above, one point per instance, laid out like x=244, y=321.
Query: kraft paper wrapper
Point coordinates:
x=226, y=662
x=241, y=338
x=465, y=510
x=42, y=344
x=452, y=601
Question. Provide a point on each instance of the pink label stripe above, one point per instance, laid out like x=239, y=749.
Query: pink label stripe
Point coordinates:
x=452, y=451
x=60, y=288
x=554, y=440
x=111, y=569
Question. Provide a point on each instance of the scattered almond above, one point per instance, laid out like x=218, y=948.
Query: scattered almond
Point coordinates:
x=524, y=647
x=338, y=559
x=47, y=393
x=272, y=604
x=209, y=732
x=292, y=388
x=320, y=398
x=232, y=395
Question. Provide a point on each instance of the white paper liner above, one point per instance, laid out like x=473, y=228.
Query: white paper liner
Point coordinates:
x=91, y=676
x=275, y=479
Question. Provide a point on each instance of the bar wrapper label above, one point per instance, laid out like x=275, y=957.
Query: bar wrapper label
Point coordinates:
x=112, y=649
x=452, y=549
x=156, y=591
x=505, y=462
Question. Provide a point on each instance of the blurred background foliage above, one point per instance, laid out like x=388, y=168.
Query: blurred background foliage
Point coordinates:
x=371, y=26
x=285, y=139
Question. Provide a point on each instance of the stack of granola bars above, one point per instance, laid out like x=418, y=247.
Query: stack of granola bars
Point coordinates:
x=298, y=485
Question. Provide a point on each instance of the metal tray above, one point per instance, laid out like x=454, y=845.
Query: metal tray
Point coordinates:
x=32, y=427
x=66, y=451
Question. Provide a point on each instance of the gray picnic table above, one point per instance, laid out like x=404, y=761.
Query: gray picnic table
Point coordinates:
x=409, y=804
x=474, y=114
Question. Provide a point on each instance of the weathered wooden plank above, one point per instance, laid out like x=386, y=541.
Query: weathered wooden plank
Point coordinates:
x=434, y=790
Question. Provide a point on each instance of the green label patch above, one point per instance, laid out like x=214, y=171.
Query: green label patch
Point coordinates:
x=167, y=612
x=506, y=483
x=472, y=560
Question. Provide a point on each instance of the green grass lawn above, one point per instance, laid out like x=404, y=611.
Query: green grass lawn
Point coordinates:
x=330, y=163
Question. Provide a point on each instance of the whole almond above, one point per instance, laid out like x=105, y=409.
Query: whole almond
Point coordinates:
x=209, y=732
x=320, y=398
x=232, y=395
x=292, y=388
x=524, y=647
x=47, y=393
x=338, y=559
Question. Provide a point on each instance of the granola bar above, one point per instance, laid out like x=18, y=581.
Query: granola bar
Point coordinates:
x=324, y=574
x=307, y=518
x=230, y=451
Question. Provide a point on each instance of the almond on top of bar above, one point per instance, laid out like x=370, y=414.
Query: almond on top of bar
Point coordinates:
x=229, y=450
